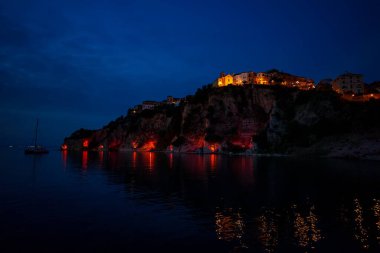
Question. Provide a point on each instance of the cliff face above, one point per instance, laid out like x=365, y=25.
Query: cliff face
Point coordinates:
x=240, y=119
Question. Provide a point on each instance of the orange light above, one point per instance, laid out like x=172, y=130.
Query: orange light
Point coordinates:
x=134, y=144
x=371, y=95
x=212, y=148
x=151, y=145
x=213, y=161
x=353, y=95
x=134, y=159
x=63, y=147
x=85, y=143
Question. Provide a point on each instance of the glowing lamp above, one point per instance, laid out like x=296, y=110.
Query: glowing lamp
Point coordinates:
x=85, y=143
x=63, y=147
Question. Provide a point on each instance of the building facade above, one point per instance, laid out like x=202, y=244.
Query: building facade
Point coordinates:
x=349, y=83
x=273, y=77
x=235, y=79
x=262, y=78
x=149, y=105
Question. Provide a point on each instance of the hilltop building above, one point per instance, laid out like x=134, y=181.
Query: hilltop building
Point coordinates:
x=170, y=100
x=262, y=78
x=149, y=105
x=224, y=80
x=349, y=83
x=273, y=77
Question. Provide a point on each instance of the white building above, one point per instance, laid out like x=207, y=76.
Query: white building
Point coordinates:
x=240, y=79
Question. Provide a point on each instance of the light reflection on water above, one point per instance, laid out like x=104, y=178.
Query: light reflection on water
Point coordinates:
x=210, y=202
x=268, y=230
x=306, y=230
x=360, y=230
x=376, y=213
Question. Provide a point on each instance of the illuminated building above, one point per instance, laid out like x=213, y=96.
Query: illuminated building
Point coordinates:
x=262, y=78
x=273, y=77
x=234, y=79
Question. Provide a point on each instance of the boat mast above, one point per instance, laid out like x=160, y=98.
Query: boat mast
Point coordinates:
x=35, y=137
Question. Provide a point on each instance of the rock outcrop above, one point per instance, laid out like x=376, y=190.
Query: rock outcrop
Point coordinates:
x=245, y=119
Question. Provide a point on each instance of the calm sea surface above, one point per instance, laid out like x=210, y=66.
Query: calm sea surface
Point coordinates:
x=157, y=202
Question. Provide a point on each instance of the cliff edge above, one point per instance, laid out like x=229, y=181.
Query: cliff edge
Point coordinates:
x=245, y=119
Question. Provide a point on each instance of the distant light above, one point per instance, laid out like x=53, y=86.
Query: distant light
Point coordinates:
x=371, y=95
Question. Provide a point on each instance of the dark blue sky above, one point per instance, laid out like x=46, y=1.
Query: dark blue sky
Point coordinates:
x=83, y=63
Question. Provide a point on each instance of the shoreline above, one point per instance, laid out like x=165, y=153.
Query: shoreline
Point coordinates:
x=275, y=155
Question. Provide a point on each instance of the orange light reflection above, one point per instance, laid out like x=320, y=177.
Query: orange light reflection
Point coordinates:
x=213, y=162
x=134, y=160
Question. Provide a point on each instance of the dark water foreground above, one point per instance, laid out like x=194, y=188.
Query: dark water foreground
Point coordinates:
x=155, y=202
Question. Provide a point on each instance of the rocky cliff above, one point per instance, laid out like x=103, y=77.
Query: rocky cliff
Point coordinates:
x=246, y=119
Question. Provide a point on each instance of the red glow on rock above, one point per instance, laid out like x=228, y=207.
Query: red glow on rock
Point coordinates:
x=85, y=143
x=151, y=145
x=134, y=144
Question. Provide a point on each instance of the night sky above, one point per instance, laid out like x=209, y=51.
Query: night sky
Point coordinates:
x=76, y=64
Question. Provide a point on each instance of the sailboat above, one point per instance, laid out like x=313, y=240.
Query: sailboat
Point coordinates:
x=36, y=149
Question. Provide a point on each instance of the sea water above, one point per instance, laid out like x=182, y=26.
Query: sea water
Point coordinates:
x=162, y=202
